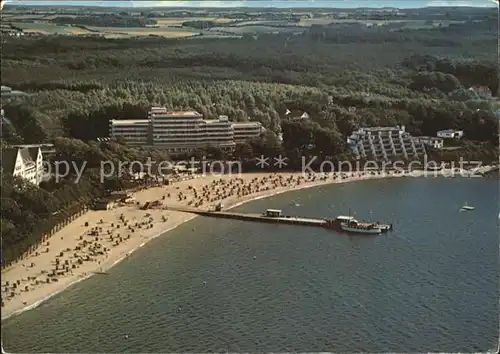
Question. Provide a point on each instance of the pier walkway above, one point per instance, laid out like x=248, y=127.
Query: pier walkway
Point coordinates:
x=291, y=220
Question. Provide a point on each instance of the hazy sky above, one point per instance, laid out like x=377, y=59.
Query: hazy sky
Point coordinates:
x=266, y=3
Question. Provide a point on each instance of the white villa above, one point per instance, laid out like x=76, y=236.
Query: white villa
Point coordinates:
x=183, y=130
x=450, y=134
x=24, y=162
x=385, y=143
x=436, y=143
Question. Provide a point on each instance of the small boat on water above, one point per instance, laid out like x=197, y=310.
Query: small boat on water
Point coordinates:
x=350, y=224
x=360, y=227
x=466, y=207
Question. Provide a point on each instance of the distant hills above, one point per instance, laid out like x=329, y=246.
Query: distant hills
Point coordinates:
x=263, y=3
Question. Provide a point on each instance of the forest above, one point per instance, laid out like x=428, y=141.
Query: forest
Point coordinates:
x=105, y=20
x=344, y=79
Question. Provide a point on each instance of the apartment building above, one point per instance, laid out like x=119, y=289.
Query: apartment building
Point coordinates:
x=182, y=131
x=25, y=162
x=385, y=144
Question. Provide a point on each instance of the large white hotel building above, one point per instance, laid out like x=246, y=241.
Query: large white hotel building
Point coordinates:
x=183, y=131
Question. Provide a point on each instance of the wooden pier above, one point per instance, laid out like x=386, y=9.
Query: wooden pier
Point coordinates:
x=290, y=220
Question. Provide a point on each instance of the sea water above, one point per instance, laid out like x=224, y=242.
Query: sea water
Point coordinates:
x=217, y=285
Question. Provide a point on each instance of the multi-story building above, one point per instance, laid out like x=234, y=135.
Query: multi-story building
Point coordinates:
x=176, y=129
x=183, y=131
x=132, y=131
x=244, y=131
x=26, y=163
x=219, y=132
x=385, y=143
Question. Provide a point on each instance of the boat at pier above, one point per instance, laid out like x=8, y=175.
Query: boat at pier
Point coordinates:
x=350, y=224
x=361, y=227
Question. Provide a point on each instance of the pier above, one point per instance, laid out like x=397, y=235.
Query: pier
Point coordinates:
x=290, y=220
x=275, y=217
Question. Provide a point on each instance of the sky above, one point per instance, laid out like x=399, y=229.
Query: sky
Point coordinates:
x=265, y=3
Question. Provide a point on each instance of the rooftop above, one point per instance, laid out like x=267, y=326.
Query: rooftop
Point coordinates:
x=32, y=145
x=213, y=121
x=163, y=111
x=343, y=217
x=375, y=129
x=249, y=124
x=184, y=113
x=428, y=138
x=129, y=121
x=9, y=92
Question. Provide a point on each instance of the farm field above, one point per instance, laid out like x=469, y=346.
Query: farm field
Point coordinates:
x=240, y=30
x=145, y=31
x=49, y=28
x=108, y=32
x=265, y=23
x=171, y=27
x=410, y=24
x=174, y=21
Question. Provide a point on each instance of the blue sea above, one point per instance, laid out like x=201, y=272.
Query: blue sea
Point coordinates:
x=212, y=285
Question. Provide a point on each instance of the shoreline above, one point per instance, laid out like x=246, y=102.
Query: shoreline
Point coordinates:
x=236, y=202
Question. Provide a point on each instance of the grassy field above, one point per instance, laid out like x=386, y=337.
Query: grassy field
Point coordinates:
x=266, y=23
x=180, y=20
x=45, y=28
x=77, y=31
x=240, y=30
x=141, y=31
x=218, y=35
x=12, y=17
x=109, y=32
x=51, y=17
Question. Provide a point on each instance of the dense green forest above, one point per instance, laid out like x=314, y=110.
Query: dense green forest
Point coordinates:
x=105, y=20
x=344, y=78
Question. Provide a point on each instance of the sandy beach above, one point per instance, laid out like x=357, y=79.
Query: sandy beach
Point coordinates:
x=100, y=239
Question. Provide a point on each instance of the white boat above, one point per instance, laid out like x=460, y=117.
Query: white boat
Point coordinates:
x=360, y=228
x=466, y=207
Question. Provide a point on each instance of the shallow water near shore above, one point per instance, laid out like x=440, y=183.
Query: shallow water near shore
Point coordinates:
x=223, y=285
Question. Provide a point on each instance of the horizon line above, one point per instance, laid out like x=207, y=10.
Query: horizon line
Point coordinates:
x=244, y=4
x=10, y=5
